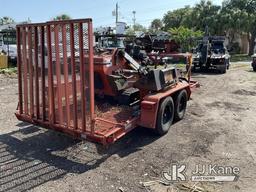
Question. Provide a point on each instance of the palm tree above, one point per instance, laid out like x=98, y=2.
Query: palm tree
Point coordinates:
x=206, y=14
x=156, y=24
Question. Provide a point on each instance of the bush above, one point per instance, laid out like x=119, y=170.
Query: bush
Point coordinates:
x=185, y=36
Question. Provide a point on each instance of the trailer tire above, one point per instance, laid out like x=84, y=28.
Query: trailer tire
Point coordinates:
x=181, y=105
x=224, y=70
x=254, y=69
x=165, y=116
x=203, y=68
x=193, y=69
x=228, y=64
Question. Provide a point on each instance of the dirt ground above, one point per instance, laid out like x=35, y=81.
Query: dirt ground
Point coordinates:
x=219, y=128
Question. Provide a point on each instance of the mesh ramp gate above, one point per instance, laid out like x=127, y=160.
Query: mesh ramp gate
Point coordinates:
x=55, y=72
x=56, y=81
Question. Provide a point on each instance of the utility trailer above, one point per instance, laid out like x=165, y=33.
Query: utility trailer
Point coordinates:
x=100, y=95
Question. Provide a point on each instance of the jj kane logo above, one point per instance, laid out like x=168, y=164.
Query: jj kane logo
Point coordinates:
x=214, y=173
x=176, y=173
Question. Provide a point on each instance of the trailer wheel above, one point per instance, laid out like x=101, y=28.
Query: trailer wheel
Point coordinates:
x=224, y=70
x=203, y=68
x=193, y=68
x=181, y=105
x=228, y=64
x=165, y=116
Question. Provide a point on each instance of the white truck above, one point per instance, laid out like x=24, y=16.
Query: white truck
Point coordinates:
x=8, y=46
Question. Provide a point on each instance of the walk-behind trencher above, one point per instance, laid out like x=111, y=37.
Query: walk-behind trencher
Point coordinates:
x=67, y=84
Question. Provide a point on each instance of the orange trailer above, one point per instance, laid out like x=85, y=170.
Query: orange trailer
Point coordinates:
x=66, y=84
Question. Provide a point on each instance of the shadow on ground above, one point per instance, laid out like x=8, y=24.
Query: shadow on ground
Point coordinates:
x=32, y=156
x=212, y=72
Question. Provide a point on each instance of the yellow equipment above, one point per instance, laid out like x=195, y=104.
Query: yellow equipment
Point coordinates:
x=3, y=61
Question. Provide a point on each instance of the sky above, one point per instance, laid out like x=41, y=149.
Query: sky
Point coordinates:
x=99, y=10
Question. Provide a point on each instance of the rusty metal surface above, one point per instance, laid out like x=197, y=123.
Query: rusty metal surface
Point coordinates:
x=49, y=75
x=56, y=82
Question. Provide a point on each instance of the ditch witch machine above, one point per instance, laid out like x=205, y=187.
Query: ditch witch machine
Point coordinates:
x=67, y=84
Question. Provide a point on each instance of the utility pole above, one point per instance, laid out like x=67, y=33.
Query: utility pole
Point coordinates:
x=134, y=18
x=117, y=12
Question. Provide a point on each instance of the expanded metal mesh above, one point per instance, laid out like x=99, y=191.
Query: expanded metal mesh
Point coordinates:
x=54, y=78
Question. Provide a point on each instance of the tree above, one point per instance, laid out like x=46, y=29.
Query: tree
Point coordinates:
x=6, y=20
x=185, y=36
x=139, y=27
x=136, y=28
x=241, y=14
x=177, y=18
x=206, y=14
x=156, y=24
x=233, y=17
x=203, y=14
x=62, y=17
x=130, y=31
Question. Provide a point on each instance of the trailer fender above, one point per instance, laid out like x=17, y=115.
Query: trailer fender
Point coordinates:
x=150, y=104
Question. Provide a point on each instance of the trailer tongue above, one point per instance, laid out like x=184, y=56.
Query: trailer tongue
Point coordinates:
x=67, y=85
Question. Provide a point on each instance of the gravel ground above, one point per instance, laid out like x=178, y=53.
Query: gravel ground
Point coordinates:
x=219, y=128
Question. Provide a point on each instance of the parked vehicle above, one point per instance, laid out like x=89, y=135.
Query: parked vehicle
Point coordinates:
x=8, y=45
x=211, y=53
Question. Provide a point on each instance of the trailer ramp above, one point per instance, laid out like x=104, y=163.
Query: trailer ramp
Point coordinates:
x=56, y=77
